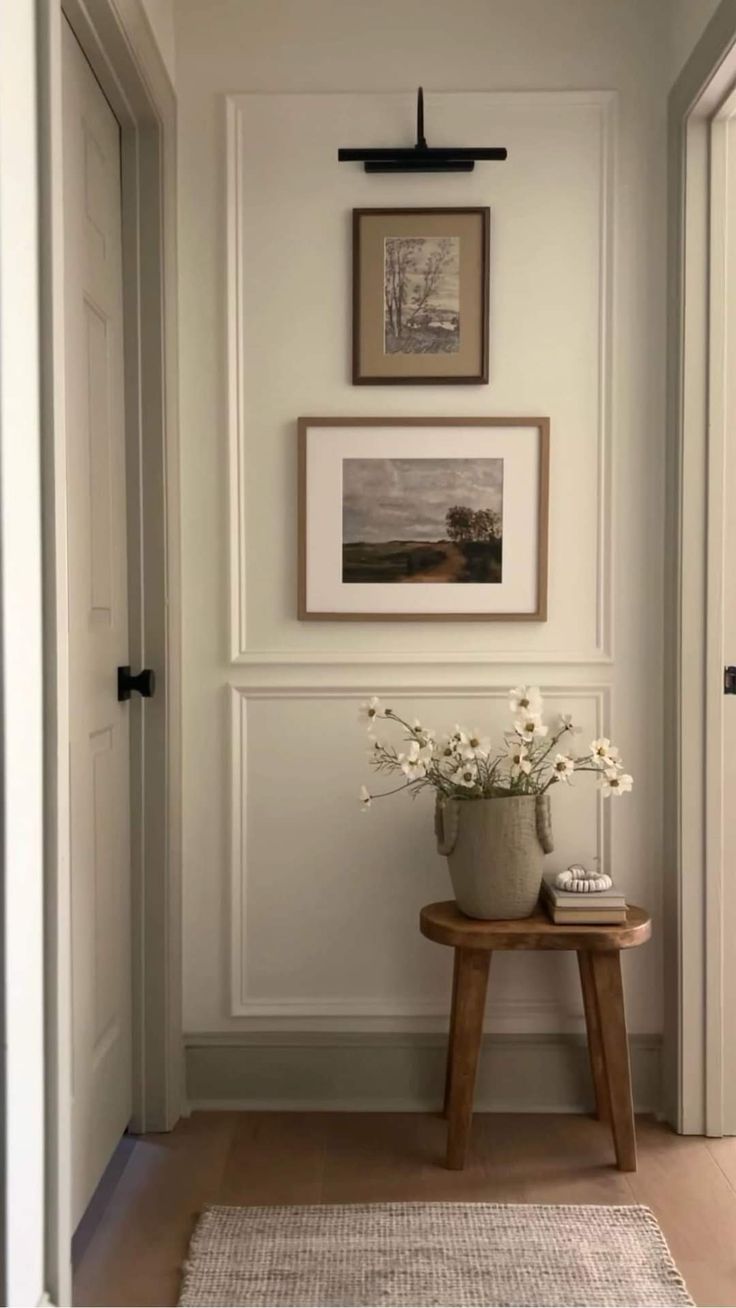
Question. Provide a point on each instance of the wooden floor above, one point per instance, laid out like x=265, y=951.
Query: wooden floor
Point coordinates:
x=132, y=1245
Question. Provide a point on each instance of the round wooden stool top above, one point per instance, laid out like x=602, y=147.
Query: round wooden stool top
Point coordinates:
x=445, y=924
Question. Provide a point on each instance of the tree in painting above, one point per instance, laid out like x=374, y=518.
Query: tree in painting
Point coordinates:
x=421, y=285
x=464, y=524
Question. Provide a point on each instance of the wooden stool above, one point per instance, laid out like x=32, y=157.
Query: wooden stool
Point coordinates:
x=599, y=958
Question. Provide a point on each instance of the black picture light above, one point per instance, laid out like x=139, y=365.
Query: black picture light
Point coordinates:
x=421, y=158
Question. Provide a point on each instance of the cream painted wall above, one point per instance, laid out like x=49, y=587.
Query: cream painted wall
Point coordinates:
x=688, y=20
x=161, y=16
x=329, y=899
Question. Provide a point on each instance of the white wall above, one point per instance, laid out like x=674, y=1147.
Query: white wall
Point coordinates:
x=161, y=16
x=330, y=898
x=20, y=658
x=688, y=20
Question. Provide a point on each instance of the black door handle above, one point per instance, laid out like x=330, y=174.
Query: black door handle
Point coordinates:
x=144, y=683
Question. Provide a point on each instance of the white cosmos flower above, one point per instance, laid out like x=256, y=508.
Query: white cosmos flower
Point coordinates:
x=365, y=799
x=370, y=710
x=420, y=751
x=466, y=775
x=413, y=763
x=519, y=762
x=525, y=699
x=605, y=755
x=445, y=752
x=473, y=745
x=563, y=767
x=616, y=783
x=530, y=727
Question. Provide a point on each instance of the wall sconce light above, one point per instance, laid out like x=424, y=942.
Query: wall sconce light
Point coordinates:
x=421, y=158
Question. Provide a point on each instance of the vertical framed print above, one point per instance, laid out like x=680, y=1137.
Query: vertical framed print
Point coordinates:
x=420, y=296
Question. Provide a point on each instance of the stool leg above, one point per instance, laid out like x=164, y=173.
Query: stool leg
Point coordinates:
x=451, y=1037
x=595, y=1043
x=610, y=997
x=470, y=1003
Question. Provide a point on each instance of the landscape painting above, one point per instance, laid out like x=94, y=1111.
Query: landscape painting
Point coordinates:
x=420, y=520
x=421, y=290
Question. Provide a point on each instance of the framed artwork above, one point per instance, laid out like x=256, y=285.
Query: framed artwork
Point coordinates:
x=420, y=296
x=423, y=519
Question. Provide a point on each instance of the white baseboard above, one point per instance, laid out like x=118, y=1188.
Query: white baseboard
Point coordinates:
x=398, y=1072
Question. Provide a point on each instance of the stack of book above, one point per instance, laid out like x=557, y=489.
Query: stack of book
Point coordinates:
x=570, y=907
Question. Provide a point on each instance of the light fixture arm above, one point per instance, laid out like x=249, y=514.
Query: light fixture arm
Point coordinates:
x=420, y=158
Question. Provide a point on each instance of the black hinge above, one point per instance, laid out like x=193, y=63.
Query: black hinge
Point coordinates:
x=729, y=681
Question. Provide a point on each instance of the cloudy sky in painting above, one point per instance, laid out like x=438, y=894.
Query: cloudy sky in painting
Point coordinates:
x=407, y=499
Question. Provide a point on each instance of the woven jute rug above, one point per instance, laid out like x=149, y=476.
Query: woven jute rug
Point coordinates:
x=417, y=1254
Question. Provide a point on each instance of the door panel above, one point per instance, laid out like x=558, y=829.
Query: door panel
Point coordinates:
x=100, y=460
x=98, y=624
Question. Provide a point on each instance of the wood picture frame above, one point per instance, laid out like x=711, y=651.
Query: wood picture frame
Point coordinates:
x=434, y=265
x=324, y=552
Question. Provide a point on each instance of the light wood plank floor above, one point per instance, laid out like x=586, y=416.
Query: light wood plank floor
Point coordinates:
x=132, y=1245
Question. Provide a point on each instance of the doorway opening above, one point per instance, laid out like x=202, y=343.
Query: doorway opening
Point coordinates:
x=116, y=47
x=700, y=903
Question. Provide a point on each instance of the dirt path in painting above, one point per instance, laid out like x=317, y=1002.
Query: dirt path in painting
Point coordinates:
x=450, y=569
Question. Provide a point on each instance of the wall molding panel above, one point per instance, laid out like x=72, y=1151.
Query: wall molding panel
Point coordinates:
x=449, y=659
x=300, y=913
x=510, y=1014
x=395, y=676
x=235, y=397
x=244, y=650
x=604, y=544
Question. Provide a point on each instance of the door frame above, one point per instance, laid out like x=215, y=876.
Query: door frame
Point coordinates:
x=22, y=1143
x=697, y=1014
x=118, y=42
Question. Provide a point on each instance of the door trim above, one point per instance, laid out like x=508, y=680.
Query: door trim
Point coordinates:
x=119, y=45
x=694, y=1016
x=22, y=1130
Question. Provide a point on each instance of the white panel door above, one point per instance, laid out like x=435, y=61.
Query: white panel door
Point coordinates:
x=98, y=625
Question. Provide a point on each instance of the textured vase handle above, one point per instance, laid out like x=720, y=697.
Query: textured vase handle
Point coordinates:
x=446, y=824
x=544, y=823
